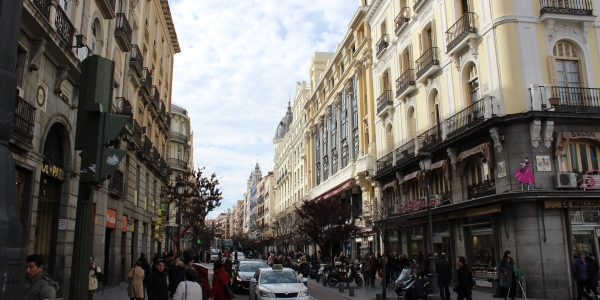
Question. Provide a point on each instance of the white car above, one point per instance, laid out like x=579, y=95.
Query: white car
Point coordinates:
x=276, y=283
x=214, y=255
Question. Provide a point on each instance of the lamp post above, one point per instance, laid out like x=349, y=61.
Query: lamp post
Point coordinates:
x=180, y=186
x=425, y=165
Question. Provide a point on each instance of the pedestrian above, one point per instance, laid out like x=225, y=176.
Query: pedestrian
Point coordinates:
x=319, y=255
x=365, y=268
x=579, y=273
x=136, y=287
x=304, y=267
x=189, y=288
x=39, y=285
x=373, y=269
x=189, y=263
x=220, y=279
x=444, y=272
x=395, y=266
x=158, y=288
x=421, y=265
x=592, y=275
x=228, y=264
x=508, y=280
x=175, y=274
x=95, y=275
x=403, y=262
x=271, y=260
x=463, y=287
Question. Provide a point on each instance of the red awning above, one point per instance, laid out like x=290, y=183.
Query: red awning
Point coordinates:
x=335, y=191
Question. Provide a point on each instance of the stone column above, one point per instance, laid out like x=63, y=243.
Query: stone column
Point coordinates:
x=329, y=142
x=338, y=126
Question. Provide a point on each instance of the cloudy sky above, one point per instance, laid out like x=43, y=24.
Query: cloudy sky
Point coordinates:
x=240, y=59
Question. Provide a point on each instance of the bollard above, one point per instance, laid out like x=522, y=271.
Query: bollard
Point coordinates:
x=379, y=296
x=324, y=281
x=341, y=287
x=351, y=291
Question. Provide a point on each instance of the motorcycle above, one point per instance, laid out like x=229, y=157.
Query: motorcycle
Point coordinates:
x=336, y=275
x=411, y=287
x=324, y=270
x=314, y=270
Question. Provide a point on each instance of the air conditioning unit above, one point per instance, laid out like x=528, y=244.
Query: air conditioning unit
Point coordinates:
x=590, y=182
x=566, y=180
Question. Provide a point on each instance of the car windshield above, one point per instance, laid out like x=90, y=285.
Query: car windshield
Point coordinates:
x=279, y=277
x=250, y=267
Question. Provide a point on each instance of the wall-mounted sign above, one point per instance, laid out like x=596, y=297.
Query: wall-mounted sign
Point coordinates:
x=62, y=224
x=53, y=171
x=111, y=218
x=124, y=224
x=543, y=163
x=501, y=169
x=572, y=204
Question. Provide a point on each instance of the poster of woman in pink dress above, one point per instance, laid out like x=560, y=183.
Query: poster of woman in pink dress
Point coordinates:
x=524, y=174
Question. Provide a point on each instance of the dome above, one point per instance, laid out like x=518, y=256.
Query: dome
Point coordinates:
x=284, y=124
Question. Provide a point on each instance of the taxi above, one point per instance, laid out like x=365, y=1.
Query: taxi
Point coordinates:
x=278, y=283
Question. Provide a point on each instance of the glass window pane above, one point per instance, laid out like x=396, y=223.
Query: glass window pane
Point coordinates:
x=584, y=157
x=572, y=73
x=576, y=216
x=560, y=73
x=584, y=243
x=573, y=154
x=590, y=216
x=594, y=157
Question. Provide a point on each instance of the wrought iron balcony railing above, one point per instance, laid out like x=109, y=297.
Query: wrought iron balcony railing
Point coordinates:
x=24, y=120
x=575, y=99
x=122, y=106
x=402, y=19
x=136, y=60
x=155, y=97
x=481, y=189
x=404, y=81
x=461, y=29
x=178, y=137
x=146, y=79
x=178, y=163
x=405, y=152
x=382, y=44
x=466, y=118
x=384, y=100
x=429, y=58
x=116, y=185
x=147, y=148
x=417, y=4
x=123, y=32
x=64, y=28
x=178, y=109
x=430, y=138
x=44, y=7
x=386, y=162
x=567, y=7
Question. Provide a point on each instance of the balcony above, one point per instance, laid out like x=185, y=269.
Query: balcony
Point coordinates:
x=405, y=83
x=385, y=163
x=402, y=20
x=44, y=7
x=162, y=164
x=469, y=117
x=178, y=109
x=107, y=8
x=382, y=45
x=122, y=107
x=155, y=98
x=115, y=186
x=430, y=138
x=461, y=33
x=178, y=137
x=63, y=26
x=123, y=33
x=485, y=188
x=567, y=7
x=417, y=5
x=405, y=152
x=24, y=120
x=179, y=164
x=385, y=101
x=575, y=99
x=146, y=150
x=428, y=64
x=146, y=81
x=135, y=140
x=136, y=60
x=155, y=159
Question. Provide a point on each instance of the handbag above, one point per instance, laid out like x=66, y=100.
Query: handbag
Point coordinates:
x=129, y=278
x=228, y=290
x=185, y=283
x=380, y=274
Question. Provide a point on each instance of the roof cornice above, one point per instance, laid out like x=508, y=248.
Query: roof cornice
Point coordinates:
x=170, y=25
x=372, y=10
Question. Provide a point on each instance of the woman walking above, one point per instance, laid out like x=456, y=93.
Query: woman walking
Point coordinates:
x=421, y=265
x=136, y=287
x=508, y=282
x=189, y=288
x=592, y=275
x=220, y=279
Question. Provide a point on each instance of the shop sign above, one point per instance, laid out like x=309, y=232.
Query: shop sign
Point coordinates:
x=467, y=213
x=62, y=224
x=53, y=171
x=111, y=218
x=572, y=204
x=124, y=224
x=336, y=191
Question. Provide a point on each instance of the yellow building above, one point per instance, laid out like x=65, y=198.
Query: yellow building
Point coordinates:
x=489, y=88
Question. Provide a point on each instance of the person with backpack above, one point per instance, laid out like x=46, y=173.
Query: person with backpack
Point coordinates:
x=95, y=277
x=219, y=283
x=508, y=281
x=465, y=284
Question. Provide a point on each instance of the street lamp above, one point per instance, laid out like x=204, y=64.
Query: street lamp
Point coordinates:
x=180, y=186
x=425, y=165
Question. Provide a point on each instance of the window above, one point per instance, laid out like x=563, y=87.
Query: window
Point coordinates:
x=473, y=85
x=325, y=151
x=334, y=159
x=344, y=130
x=95, y=34
x=480, y=177
x=580, y=157
x=318, y=156
x=567, y=65
x=65, y=5
x=354, y=119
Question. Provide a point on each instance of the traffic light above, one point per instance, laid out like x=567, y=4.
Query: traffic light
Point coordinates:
x=97, y=129
x=199, y=242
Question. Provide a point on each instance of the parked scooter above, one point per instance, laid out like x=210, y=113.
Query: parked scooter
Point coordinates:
x=314, y=269
x=336, y=275
x=324, y=270
x=411, y=287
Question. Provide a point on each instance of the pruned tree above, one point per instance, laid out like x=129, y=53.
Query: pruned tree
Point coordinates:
x=202, y=195
x=283, y=226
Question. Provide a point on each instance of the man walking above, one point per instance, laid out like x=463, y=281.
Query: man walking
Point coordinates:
x=444, y=272
x=578, y=271
x=464, y=287
x=39, y=286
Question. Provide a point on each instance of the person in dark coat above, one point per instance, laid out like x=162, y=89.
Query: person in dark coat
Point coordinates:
x=304, y=267
x=395, y=266
x=444, y=272
x=228, y=264
x=176, y=274
x=463, y=287
x=508, y=281
x=579, y=273
x=592, y=275
x=157, y=288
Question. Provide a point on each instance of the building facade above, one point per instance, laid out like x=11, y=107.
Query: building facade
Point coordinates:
x=55, y=37
x=502, y=94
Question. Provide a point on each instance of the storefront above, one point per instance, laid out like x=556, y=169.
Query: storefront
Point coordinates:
x=441, y=238
x=585, y=224
x=482, y=249
x=416, y=243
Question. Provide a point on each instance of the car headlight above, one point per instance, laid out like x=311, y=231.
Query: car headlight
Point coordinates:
x=266, y=294
x=239, y=278
x=303, y=293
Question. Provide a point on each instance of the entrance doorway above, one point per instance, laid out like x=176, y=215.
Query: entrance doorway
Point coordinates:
x=107, y=255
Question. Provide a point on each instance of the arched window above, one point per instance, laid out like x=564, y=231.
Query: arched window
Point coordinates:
x=412, y=124
x=472, y=85
x=389, y=138
x=566, y=61
x=96, y=41
x=480, y=177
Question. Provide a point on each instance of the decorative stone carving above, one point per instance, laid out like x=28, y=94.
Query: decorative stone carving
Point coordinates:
x=535, y=127
x=451, y=154
x=337, y=103
x=358, y=71
x=410, y=101
x=61, y=75
x=432, y=83
x=548, y=129
x=307, y=134
x=328, y=112
x=399, y=176
x=584, y=30
x=552, y=30
x=37, y=49
x=495, y=134
x=320, y=123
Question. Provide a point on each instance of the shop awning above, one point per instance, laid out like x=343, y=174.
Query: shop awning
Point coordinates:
x=335, y=191
x=563, y=138
x=393, y=184
x=444, y=164
x=461, y=160
x=411, y=176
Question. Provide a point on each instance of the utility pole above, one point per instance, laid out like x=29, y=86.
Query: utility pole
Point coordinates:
x=12, y=244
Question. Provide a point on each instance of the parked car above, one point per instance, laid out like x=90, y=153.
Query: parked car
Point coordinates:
x=243, y=272
x=214, y=255
x=278, y=282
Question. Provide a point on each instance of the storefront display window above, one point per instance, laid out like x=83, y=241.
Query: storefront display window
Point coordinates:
x=416, y=246
x=584, y=242
x=482, y=255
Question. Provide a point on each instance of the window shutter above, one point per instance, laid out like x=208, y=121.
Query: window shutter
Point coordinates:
x=413, y=124
x=582, y=74
x=552, y=70
x=420, y=43
x=433, y=34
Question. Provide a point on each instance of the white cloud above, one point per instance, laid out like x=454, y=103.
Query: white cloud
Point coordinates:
x=239, y=61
